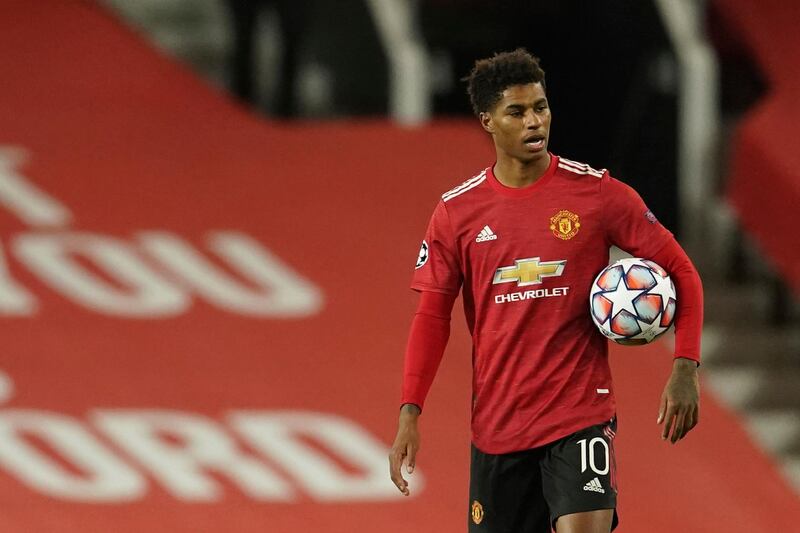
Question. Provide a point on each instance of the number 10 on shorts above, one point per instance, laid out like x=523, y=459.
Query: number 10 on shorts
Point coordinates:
x=588, y=455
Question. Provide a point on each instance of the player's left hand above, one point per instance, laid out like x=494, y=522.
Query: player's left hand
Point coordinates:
x=679, y=410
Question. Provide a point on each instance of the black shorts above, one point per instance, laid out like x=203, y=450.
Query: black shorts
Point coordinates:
x=526, y=492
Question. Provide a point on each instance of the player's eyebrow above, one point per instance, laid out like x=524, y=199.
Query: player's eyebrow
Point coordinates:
x=522, y=107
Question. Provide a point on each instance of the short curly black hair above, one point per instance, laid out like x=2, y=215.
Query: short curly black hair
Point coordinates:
x=492, y=75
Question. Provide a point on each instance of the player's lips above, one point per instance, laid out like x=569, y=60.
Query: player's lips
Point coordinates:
x=534, y=142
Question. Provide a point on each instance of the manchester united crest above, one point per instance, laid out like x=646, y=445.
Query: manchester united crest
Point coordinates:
x=477, y=512
x=565, y=224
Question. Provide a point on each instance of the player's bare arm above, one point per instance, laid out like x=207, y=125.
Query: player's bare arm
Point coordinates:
x=679, y=409
x=405, y=447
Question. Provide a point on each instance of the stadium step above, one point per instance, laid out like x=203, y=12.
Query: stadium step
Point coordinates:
x=751, y=360
x=779, y=430
x=748, y=388
x=191, y=30
x=726, y=346
x=791, y=466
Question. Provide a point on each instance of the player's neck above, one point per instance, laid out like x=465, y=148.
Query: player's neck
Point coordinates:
x=512, y=172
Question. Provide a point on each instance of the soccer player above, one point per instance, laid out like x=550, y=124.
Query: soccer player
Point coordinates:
x=543, y=410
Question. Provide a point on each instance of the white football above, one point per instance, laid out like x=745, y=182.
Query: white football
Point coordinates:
x=632, y=301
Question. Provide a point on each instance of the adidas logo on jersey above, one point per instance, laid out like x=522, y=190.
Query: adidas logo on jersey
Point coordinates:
x=486, y=234
x=594, y=486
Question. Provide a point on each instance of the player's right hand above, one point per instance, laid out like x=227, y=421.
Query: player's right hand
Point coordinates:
x=405, y=447
x=679, y=409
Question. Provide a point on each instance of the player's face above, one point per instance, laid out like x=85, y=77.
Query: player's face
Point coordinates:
x=520, y=122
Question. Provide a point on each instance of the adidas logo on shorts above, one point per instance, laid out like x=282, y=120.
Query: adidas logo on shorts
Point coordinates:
x=595, y=486
x=486, y=234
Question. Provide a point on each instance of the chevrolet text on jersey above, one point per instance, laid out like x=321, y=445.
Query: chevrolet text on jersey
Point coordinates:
x=530, y=295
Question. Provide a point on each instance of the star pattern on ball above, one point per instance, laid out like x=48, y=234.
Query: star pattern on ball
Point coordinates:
x=622, y=298
x=663, y=288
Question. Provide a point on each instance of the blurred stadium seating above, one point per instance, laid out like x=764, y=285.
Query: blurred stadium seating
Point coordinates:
x=205, y=308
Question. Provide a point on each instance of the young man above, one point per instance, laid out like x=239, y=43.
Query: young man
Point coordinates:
x=543, y=416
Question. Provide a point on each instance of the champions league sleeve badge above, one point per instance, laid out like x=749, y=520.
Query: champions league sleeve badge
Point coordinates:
x=422, y=258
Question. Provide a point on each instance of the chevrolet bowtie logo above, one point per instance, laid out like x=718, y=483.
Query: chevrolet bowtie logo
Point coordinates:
x=528, y=271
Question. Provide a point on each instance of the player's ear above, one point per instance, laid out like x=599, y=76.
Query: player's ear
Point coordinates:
x=486, y=121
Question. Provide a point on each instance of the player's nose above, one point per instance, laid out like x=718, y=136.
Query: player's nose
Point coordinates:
x=532, y=120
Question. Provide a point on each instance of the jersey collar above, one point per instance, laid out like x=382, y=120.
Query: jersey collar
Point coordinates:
x=522, y=192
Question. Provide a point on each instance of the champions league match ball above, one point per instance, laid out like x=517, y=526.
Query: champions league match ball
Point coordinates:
x=632, y=301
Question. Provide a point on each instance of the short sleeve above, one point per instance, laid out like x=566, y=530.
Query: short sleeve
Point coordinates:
x=629, y=224
x=437, y=267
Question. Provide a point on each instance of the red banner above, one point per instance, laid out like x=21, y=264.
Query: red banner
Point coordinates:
x=764, y=178
x=204, y=314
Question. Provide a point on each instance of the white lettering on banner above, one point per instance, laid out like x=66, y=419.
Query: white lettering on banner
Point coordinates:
x=278, y=291
x=6, y=387
x=146, y=293
x=530, y=295
x=182, y=468
x=29, y=203
x=277, y=436
x=14, y=299
x=282, y=293
x=103, y=478
x=180, y=450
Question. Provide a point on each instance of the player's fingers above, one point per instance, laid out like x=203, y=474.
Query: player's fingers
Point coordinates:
x=695, y=418
x=392, y=467
x=662, y=409
x=688, y=422
x=667, y=418
x=395, y=460
x=678, y=427
x=411, y=453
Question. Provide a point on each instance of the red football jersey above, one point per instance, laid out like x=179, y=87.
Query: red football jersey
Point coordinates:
x=525, y=260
